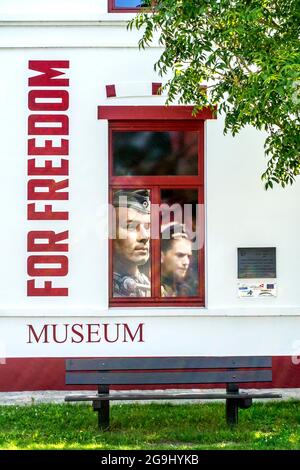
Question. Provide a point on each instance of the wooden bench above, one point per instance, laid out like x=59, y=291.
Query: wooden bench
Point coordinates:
x=132, y=371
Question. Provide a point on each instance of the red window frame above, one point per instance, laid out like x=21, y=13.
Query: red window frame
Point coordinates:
x=113, y=9
x=158, y=118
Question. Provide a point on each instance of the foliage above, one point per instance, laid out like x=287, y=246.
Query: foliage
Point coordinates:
x=270, y=425
x=247, y=53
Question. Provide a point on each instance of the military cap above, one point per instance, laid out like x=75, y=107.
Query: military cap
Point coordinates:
x=173, y=230
x=133, y=199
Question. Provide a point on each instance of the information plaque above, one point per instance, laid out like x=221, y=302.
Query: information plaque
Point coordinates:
x=256, y=263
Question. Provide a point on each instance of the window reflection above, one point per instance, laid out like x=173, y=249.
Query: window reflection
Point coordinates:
x=129, y=3
x=145, y=153
x=179, y=253
x=131, y=243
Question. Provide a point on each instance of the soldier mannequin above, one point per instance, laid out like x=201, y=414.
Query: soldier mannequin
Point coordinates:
x=176, y=253
x=131, y=246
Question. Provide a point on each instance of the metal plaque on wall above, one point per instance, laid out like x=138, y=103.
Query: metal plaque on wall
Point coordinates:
x=256, y=263
x=257, y=272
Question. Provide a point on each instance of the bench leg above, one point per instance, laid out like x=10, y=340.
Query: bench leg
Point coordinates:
x=232, y=411
x=102, y=408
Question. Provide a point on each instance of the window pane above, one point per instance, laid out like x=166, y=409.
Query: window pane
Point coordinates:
x=150, y=153
x=179, y=244
x=128, y=3
x=131, y=243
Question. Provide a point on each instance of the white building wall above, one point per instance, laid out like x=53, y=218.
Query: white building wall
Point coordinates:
x=239, y=213
x=36, y=10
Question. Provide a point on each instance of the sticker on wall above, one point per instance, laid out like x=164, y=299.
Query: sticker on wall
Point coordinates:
x=257, y=288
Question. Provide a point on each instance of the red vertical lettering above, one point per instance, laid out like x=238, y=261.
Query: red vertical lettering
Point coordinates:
x=37, y=100
x=48, y=168
x=46, y=214
x=52, y=238
x=51, y=193
x=62, y=270
x=46, y=291
x=48, y=148
x=48, y=72
x=35, y=129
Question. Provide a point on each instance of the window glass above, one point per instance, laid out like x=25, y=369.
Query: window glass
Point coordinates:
x=156, y=249
x=128, y=3
x=150, y=153
x=131, y=243
x=179, y=243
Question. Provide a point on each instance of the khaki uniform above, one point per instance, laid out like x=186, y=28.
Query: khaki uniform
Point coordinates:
x=169, y=289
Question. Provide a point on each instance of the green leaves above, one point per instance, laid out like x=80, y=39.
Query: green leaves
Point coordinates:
x=248, y=54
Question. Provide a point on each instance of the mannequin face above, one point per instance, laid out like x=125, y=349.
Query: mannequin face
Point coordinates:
x=132, y=244
x=176, y=260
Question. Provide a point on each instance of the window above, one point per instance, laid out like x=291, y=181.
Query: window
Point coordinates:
x=124, y=5
x=156, y=212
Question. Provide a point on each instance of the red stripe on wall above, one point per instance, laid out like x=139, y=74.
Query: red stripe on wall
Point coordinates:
x=23, y=374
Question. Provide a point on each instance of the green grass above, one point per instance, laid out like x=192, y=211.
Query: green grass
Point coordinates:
x=272, y=425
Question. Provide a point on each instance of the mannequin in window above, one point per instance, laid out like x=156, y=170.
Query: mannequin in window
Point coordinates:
x=176, y=255
x=131, y=246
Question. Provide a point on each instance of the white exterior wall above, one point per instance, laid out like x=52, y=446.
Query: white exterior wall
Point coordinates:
x=239, y=213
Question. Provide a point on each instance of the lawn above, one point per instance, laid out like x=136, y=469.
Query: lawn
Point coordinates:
x=272, y=425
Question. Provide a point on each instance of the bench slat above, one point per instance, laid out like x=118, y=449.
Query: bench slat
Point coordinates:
x=144, y=363
x=176, y=396
x=129, y=378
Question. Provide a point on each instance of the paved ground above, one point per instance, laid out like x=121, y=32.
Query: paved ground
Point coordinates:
x=52, y=396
